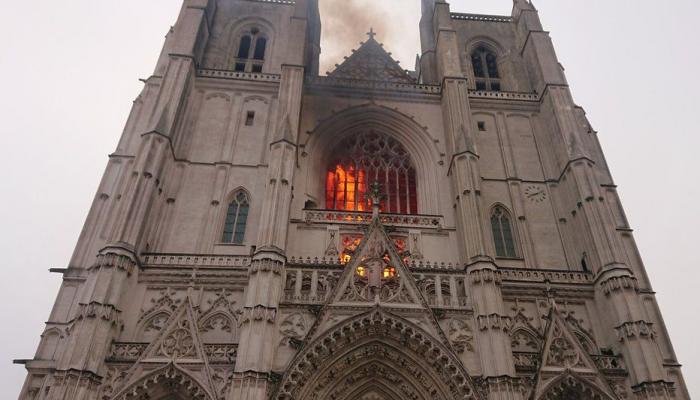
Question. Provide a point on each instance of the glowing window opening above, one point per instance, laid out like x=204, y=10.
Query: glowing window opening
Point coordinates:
x=363, y=159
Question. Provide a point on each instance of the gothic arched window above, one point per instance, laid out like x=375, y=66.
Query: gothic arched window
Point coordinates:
x=236, y=219
x=485, y=64
x=502, y=228
x=251, y=51
x=366, y=158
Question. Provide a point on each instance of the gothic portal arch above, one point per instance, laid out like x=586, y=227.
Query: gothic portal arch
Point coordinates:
x=570, y=387
x=376, y=354
x=167, y=383
x=422, y=148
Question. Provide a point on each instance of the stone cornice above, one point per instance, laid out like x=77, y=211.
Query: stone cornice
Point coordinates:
x=280, y=2
x=325, y=83
x=482, y=17
x=154, y=260
x=240, y=76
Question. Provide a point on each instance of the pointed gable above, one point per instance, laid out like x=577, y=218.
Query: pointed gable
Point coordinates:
x=178, y=349
x=371, y=63
x=565, y=358
x=377, y=274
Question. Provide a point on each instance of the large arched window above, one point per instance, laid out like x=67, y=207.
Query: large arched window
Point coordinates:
x=502, y=228
x=363, y=159
x=251, y=51
x=485, y=64
x=236, y=219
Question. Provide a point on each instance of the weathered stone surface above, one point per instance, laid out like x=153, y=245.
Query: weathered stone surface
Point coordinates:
x=512, y=280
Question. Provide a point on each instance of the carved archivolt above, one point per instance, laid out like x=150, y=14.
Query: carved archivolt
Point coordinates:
x=569, y=387
x=376, y=349
x=167, y=381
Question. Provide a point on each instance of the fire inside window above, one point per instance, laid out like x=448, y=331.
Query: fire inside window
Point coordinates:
x=363, y=159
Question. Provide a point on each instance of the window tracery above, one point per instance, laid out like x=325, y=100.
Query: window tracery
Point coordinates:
x=485, y=65
x=236, y=219
x=363, y=159
x=502, y=229
x=251, y=51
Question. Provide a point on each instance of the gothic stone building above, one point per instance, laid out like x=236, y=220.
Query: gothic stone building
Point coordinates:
x=266, y=232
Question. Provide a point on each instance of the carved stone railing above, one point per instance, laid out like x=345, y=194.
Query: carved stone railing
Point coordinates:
x=481, y=17
x=315, y=261
x=485, y=94
x=374, y=85
x=539, y=276
x=237, y=75
x=194, y=260
x=530, y=362
x=221, y=353
x=447, y=301
x=126, y=352
x=423, y=265
x=358, y=217
x=123, y=352
x=335, y=262
x=304, y=297
x=526, y=362
x=610, y=364
x=285, y=2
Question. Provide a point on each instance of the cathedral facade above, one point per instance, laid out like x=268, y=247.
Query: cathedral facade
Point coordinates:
x=263, y=231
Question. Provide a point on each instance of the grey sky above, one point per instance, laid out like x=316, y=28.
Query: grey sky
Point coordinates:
x=69, y=72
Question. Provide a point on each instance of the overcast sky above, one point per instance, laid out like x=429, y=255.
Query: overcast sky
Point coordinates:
x=69, y=72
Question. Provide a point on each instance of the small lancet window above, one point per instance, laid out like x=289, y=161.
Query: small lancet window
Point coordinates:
x=485, y=64
x=502, y=228
x=251, y=52
x=236, y=219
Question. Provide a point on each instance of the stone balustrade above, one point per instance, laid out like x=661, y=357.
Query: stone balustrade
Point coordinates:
x=129, y=352
x=238, y=75
x=359, y=217
x=481, y=17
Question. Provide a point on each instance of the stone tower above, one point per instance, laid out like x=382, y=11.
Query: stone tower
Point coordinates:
x=264, y=232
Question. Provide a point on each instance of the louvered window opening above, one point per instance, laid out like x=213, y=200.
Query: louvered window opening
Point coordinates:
x=251, y=52
x=363, y=159
x=485, y=64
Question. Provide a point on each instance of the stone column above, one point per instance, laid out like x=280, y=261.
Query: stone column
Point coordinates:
x=92, y=330
x=114, y=273
x=484, y=283
x=253, y=372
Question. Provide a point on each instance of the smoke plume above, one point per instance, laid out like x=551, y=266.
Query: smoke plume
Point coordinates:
x=346, y=23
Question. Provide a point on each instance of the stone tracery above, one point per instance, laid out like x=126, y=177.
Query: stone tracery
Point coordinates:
x=569, y=387
x=165, y=383
x=409, y=354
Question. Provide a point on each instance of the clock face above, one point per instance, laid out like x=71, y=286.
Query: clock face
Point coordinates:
x=535, y=193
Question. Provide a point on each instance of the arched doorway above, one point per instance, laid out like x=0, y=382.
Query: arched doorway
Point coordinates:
x=377, y=356
x=166, y=383
x=569, y=387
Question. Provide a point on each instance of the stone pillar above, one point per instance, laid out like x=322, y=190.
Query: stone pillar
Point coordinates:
x=484, y=283
x=617, y=291
x=109, y=280
x=253, y=372
x=92, y=330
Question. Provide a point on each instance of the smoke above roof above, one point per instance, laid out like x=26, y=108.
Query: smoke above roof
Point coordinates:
x=346, y=23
